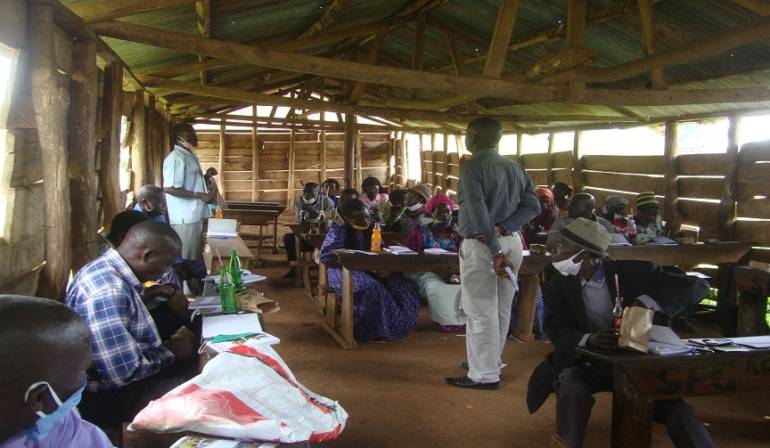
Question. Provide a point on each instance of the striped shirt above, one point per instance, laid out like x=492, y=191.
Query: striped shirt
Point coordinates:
x=125, y=344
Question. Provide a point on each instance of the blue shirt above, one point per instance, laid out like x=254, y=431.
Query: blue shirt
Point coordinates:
x=72, y=432
x=494, y=191
x=125, y=344
x=160, y=217
x=181, y=169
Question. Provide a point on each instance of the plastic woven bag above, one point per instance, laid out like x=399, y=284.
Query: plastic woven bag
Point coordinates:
x=247, y=393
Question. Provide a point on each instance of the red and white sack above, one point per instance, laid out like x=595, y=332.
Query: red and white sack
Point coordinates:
x=248, y=393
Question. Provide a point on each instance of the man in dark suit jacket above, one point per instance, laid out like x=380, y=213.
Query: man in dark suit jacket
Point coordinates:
x=578, y=313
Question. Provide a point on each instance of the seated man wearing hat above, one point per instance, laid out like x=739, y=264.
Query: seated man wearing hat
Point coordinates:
x=614, y=211
x=578, y=313
x=648, y=221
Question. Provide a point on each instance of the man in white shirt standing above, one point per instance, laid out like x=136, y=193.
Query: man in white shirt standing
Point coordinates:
x=186, y=196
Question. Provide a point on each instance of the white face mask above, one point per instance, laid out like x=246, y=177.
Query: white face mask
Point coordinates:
x=415, y=207
x=569, y=266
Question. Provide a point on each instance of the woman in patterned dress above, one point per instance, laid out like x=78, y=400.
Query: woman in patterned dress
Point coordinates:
x=384, y=309
x=441, y=292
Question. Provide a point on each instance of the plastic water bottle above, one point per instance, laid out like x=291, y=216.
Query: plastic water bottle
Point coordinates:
x=235, y=271
x=377, y=239
x=227, y=291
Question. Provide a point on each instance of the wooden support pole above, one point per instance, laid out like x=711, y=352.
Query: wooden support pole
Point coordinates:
x=577, y=164
x=727, y=206
x=323, y=157
x=139, y=141
x=254, y=158
x=657, y=76
x=549, y=168
x=292, y=162
x=419, y=43
x=82, y=146
x=460, y=146
x=50, y=100
x=350, y=150
x=501, y=38
x=402, y=168
x=112, y=106
x=519, y=144
x=359, y=158
x=433, y=161
x=446, y=162
x=221, y=159
x=671, y=176
x=203, y=23
x=371, y=58
x=576, y=23
x=391, y=158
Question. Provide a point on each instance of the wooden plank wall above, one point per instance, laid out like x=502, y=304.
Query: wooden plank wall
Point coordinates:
x=753, y=195
x=273, y=153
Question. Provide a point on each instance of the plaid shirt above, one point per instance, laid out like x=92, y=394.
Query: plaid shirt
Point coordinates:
x=124, y=339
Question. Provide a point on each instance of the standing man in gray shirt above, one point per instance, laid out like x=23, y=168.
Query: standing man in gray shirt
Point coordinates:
x=496, y=199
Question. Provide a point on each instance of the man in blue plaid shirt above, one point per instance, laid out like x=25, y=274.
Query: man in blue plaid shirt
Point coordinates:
x=131, y=365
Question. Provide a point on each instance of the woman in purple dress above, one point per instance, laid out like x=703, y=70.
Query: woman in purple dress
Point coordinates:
x=384, y=309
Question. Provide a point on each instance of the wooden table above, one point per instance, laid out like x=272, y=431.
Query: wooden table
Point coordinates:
x=532, y=266
x=754, y=288
x=639, y=379
x=684, y=255
x=253, y=215
x=223, y=247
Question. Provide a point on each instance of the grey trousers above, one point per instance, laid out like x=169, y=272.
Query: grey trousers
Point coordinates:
x=575, y=388
x=191, y=235
x=486, y=300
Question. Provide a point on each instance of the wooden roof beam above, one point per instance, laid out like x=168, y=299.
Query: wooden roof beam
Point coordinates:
x=318, y=66
x=685, y=54
x=327, y=18
x=657, y=76
x=182, y=68
x=113, y=9
x=203, y=23
x=761, y=7
x=501, y=38
x=371, y=58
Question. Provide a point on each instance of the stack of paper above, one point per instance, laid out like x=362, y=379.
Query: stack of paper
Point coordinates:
x=246, y=276
x=227, y=324
x=222, y=228
x=753, y=341
x=661, y=348
x=401, y=250
x=438, y=251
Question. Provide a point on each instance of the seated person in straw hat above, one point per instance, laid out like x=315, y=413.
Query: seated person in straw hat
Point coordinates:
x=648, y=221
x=578, y=313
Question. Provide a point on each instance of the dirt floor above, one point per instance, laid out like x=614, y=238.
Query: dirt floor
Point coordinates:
x=396, y=396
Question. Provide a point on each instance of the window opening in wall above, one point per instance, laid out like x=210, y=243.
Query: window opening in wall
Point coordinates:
x=7, y=65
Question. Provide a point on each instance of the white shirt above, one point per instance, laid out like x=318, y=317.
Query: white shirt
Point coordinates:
x=181, y=169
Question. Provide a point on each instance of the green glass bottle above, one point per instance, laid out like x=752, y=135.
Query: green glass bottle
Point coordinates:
x=227, y=291
x=235, y=272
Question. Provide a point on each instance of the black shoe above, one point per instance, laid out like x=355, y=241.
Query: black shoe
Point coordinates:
x=291, y=274
x=468, y=383
x=465, y=365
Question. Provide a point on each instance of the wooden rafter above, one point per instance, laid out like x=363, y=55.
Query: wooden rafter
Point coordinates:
x=501, y=38
x=761, y=7
x=325, y=67
x=182, y=68
x=113, y=9
x=203, y=23
x=371, y=58
x=685, y=54
x=657, y=76
x=327, y=18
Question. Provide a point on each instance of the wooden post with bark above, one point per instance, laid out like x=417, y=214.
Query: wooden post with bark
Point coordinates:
x=139, y=141
x=577, y=163
x=254, y=158
x=350, y=150
x=671, y=176
x=112, y=106
x=549, y=168
x=359, y=157
x=50, y=101
x=292, y=158
x=82, y=145
x=727, y=206
x=221, y=160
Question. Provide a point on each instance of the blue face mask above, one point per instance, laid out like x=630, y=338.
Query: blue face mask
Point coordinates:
x=47, y=422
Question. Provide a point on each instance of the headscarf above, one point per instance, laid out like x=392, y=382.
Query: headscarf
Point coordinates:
x=438, y=199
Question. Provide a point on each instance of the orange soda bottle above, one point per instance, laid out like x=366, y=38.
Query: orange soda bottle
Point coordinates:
x=377, y=239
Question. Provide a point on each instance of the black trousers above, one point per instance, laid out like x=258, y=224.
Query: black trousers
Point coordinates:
x=575, y=388
x=290, y=243
x=112, y=408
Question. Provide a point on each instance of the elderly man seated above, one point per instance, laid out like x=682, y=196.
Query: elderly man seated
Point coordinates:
x=578, y=313
x=131, y=364
x=581, y=205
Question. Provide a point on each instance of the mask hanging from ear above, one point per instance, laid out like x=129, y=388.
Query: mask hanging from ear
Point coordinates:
x=569, y=266
x=359, y=228
x=47, y=422
x=416, y=207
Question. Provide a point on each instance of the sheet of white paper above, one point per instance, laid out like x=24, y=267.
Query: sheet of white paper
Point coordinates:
x=246, y=276
x=661, y=348
x=205, y=302
x=665, y=335
x=438, y=251
x=513, y=278
x=753, y=341
x=230, y=324
x=618, y=239
x=222, y=227
x=401, y=250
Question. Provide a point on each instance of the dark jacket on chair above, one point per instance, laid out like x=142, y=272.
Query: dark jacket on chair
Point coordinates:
x=566, y=321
